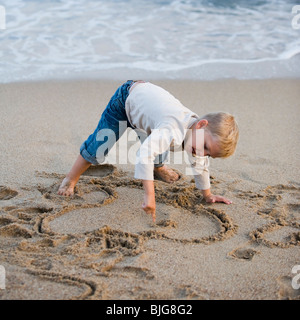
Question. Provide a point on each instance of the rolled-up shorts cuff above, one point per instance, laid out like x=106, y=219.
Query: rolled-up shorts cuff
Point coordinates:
x=87, y=156
x=158, y=165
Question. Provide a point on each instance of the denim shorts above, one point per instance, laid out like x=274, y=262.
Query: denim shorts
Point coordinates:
x=113, y=123
x=112, y=115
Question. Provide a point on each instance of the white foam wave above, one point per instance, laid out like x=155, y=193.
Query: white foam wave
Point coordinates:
x=54, y=38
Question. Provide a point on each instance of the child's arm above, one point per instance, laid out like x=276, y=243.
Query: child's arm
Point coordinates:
x=210, y=198
x=156, y=143
x=149, y=198
x=202, y=179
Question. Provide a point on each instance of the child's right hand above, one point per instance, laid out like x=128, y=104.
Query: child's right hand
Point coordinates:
x=149, y=206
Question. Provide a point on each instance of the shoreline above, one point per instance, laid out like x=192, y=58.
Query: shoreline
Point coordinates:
x=262, y=69
x=100, y=245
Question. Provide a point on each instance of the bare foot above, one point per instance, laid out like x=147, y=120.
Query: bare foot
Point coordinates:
x=66, y=188
x=166, y=174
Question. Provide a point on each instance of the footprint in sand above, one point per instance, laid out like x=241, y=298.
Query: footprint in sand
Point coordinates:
x=7, y=193
x=245, y=254
x=101, y=170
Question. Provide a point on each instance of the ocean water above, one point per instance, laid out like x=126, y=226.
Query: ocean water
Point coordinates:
x=166, y=39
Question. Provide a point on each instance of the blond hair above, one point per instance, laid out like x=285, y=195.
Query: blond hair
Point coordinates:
x=223, y=126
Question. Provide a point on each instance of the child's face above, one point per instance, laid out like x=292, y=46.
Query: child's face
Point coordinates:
x=209, y=147
x=200, y=142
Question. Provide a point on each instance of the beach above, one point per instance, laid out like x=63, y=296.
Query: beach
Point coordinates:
x=99, y=244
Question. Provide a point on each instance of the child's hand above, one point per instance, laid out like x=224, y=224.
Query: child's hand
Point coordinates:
x=212, y=198
x=149, y=198
x=149, y=206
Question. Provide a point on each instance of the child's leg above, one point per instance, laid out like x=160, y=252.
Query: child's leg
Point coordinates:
x=111, y=126
x=79, y=167
x=161, y=171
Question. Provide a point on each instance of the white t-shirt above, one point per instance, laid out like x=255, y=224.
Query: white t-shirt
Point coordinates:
x=165, y=120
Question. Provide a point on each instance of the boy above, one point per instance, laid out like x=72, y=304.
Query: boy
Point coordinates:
x=164, y=123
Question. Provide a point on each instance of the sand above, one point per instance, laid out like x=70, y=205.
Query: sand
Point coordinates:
x=99, y=244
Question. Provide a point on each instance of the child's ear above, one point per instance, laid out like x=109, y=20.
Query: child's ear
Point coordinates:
x=202, y=124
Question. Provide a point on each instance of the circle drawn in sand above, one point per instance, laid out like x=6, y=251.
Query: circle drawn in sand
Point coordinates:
x=125, y=214
x=95, y=197
x=7, y=193
x=275, y=235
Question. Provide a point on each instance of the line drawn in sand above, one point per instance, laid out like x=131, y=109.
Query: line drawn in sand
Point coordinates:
x=278, y=207
x=283, y=230
x=169, y=198
x=113, y=230
x=89, y=286
x=7, y=193
x=95, y=255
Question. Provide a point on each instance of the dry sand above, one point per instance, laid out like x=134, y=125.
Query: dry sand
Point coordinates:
x=99, y=244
